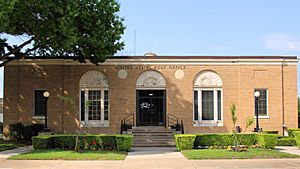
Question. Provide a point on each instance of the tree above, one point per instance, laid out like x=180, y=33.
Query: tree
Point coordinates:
x=79, y=29
x=238, y=140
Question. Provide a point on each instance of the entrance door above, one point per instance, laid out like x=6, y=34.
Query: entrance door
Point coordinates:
x=151, y=107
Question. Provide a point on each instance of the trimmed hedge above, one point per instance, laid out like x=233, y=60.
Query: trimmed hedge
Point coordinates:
x=267, y=141
x=124, y=142
x=85, y=142
x=223, y=139
x=190, y=141
x=292, y=130
x=297, y=137
x=286, y=141
x=185, y=141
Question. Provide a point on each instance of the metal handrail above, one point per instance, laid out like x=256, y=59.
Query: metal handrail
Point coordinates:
x=182, y=128
x=173, y=121
x=129, y=119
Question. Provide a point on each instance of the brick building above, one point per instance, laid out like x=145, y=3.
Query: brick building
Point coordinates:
x=197, y=90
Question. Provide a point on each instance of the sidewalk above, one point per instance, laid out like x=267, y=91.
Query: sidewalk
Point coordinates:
x=154, y=158
x=288, y=149
x=12, y=152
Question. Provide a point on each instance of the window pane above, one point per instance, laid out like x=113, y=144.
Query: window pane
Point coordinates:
x=219, y=105
x=261, y=103
x=82, y=108
x=105, y=105
x=207, y=105
x=40, y=103
x=195, y=105
x=94, y=107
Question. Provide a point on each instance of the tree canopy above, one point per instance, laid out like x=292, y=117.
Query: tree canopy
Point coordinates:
x=79, y=29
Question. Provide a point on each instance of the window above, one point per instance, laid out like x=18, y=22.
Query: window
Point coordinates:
x=40, y=103
x=94, y=106
x=262, y=103
x=208, y=109
x=208, y=102
x=94, y=100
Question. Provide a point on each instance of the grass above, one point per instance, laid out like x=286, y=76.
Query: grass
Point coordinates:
x=7, y=145
x=70, y=155
x=226, y=154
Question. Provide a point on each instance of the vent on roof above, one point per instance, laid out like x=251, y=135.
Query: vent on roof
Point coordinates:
x=150, y=54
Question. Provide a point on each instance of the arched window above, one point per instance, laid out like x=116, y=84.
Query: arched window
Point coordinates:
x=208, y=100
x=94, y=111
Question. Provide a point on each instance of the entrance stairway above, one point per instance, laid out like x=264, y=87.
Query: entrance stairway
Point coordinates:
x=153, y=137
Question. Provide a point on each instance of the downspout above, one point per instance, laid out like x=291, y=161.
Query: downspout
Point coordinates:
x=282, y=98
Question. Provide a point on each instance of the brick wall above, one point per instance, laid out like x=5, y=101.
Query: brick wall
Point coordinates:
x=239, y=82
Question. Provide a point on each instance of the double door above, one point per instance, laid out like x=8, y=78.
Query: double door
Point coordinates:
x=151, y=108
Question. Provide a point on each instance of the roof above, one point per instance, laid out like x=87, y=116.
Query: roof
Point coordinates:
x=204, y=57
x=148, y=60
x=184, y=57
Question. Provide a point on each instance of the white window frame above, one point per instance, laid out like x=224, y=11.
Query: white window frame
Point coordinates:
x=94, y=123
x=214, y=122
x=267, y=102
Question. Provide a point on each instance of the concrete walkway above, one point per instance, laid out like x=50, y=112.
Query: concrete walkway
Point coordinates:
x=154, y=158
x=289, y=149
x=9, y=153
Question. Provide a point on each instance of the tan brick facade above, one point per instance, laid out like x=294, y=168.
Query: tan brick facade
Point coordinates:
x=240, y=76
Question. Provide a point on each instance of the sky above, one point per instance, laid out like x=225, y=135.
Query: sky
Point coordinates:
x=209, y=27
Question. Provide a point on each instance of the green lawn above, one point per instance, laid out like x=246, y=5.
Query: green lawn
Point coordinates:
x=70, y=155
x=226, y=154
x=6, y=145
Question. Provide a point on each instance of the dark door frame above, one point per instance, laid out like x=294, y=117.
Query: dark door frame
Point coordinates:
x=137, y=106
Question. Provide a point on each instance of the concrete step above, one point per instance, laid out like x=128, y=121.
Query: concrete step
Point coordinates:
x=153, y=138
x=153, y=145
x=156, y=136
x=152, y=134
x=154, y=142
x=150, y=129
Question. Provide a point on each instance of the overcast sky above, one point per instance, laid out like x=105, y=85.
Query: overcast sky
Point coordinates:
x=211, y=27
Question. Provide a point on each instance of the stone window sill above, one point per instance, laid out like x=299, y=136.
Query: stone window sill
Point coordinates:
x=207, y=124
x=262, y=117
x=87, y=124
x=38, y=117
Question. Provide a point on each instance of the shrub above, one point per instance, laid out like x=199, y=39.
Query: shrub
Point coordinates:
x=270, y=132
x=291, y=131
x=223, y=139
x=286, y=141
x=213, y=140
x=124, y=142
x=108, y=142
x=184, y=141
x=41, y=142
x=297, y=137
x=248, y=139
x=16, y=131
x=86, y=142
x=267, y=141
x=19, y=131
